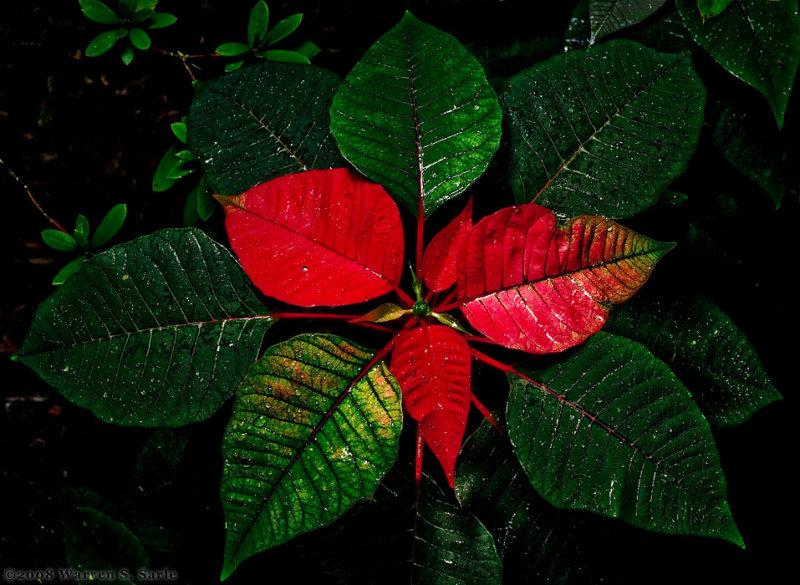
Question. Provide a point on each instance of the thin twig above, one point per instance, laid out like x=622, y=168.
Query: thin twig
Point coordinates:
x=27, y=190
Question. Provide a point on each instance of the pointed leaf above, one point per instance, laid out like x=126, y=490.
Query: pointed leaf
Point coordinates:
x=161, y=180
x=757, y=41
x=232, y=49
x=283, y=29
x=262, y=122
x=162, y=20
x=609, y=16
x=604, y=130
x=386, y=312
x=707, y=351
x=528, y=284
x=82, y=230
x=432, y=366
x=154, y=332
x=109, y=225
x=318, y=238
x=439, y=261
x=315, y=426
x=614, y=432
x=71, y=268
x=417, y=115
x=257, y=24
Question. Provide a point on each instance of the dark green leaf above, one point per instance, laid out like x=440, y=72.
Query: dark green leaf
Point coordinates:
x=127, y=56
x=161, y=180
x=257, y=24
x=185, y=155
x=609, y=16
x=179, y=130
x=603, y=130
x=162, y=20
x=59, y=240
x=180, y=168
x=71, y=268
x=141, y=15
x=532, y=537
x=98, y=12
x=93, y=541
x=262, y=122
x=308, y=49
x=758, y=41
x=127, y=7
x=284, y=56
x=110, y=225
x=752, y=145
x=614, y=432
x=190, y=215
x=233, y=66
x=145, y=5
x=233, y=49
x=417, y=115
x=451, y=546
x=579, y=30
x=155, y=332
x=705, y=349
x=664, y=32
x=140, y=39
x=157, y=465
x=315, y=425
x=82, y=231
x=283, y=29
x=709, y=8
x=205, y=203
x=104, y=41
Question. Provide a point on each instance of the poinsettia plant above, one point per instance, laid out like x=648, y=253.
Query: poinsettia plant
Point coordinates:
x=319, y=178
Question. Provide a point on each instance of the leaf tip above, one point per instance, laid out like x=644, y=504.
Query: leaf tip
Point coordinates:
x=227, y=200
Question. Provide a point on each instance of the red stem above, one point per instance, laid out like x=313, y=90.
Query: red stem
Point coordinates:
x=404, y=298
x=487, y=415
x=447, y=303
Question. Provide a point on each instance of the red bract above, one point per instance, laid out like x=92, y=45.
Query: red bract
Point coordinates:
x=333, y=238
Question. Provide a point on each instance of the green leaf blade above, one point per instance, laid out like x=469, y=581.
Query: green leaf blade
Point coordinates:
x=418, y=116
x=258, y=24
x=710, y=8
x=609, y=16
x=617, y=434
x=604, y=130
x=98, y=11
x=140, y=39
x=103, y=42
x=262, y=122
x=155, y=332
x=233, y=49
x=756, y=41
x=59, y=240
x=315, y=426
x=283, y=29
x=110, y=225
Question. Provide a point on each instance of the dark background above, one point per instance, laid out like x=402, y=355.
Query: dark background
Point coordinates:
x=85, y=134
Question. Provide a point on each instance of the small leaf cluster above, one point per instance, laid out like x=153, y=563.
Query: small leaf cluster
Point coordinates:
x=260, y=39
x=82, y=238
x=130, y=20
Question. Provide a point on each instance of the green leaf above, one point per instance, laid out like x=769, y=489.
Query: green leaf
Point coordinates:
x=233, y=49
x=82, y=231
x=752, y=145
x=233, y=66
x=127, y=56
x=533, y=537
x=603, y=130
x=161, y=180
x=127, y=7
x=190, y=215
x=140, y=39
x=145, y=5
x=157, y=466
x=612, y=431
x=262, y=122
x=757, y=41
x=141, y=15
x=315, y=425
x=110, y=225
x=308, y=49
x=417, y=115
x=71, y=268
x=104, y=41
x=609, y=16
x=579, y=29
x=93, y=541
x=162, y=20
x=179, y=130
x=59, y=240
x=205, y=203
x=179, y=169
x=709, y=8
x=257, y=24
x=185, y=155
x=98, y=12
x=283, y=29
x=154, y=332
x=705, y=349
x=451, y=546
x=284, y=56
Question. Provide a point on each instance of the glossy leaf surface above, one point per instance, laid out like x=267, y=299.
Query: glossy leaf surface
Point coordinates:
x=262, y=122
x=439, y=261
x=154, y=332
x=318, y=238
x=532, y=537
x=315, y=426
x=617, y=434
x=707, y=351
x=603, y=130
x=757, y=41
x=609, y=16
x=417, y=115
x=432, y=366
x=531, y=285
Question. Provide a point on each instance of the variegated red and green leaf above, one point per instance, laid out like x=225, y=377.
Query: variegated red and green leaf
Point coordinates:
x=432, y=365
x=317, y=238
x=439, y=262
x=529, y=284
